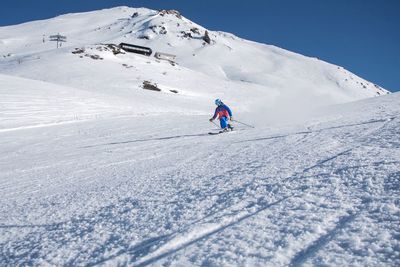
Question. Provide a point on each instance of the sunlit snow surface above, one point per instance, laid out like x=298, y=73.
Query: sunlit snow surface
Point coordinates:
x=94, y=170
x=153, y=190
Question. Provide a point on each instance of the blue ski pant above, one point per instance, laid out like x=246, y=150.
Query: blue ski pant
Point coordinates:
x=223, y=122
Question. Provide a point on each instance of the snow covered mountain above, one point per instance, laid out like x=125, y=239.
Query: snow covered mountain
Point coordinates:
x=96, y=170
x=249, y=75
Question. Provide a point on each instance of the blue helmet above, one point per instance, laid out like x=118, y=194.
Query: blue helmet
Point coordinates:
x=218, y=102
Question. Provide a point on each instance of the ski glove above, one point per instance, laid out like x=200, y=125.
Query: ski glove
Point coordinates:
x=211, y=119
x=231, y=118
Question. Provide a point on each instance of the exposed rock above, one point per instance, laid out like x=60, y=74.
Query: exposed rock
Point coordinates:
x=186, y=34
x=195, y=30
x=164, y=12
x=127, y=66
x=207, y=38
x=158, y=29
x=150, y=86
x=144, y=37
x=95, y=57
x=78, y=51
x=115, y=49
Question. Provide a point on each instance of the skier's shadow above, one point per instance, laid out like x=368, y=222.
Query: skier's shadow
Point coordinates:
x=149, y=139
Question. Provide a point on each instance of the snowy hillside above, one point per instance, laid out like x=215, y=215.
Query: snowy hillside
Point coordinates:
x=244, y=73
x=150, y=190
x=95, y=169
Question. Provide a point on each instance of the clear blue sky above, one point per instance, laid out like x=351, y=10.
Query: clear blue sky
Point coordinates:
x=363, y=36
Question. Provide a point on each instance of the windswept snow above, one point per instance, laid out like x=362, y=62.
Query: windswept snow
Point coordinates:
x=96, y=170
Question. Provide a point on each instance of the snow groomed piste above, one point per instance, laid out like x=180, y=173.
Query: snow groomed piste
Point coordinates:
x=95, y=170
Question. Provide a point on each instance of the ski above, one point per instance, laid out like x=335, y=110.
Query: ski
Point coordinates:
x=214, y=133
x=220, y=132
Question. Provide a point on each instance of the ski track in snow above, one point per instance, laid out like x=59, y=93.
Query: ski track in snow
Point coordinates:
x=285, y=199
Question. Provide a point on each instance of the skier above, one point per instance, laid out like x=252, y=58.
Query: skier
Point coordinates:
x=224, y=114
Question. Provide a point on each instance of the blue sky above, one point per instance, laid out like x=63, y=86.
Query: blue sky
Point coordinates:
x=363, y=36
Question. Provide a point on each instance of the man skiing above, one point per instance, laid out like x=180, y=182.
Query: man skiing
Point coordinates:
x=224, y=114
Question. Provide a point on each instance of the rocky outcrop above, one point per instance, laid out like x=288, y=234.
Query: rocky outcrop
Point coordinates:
x=164, y=12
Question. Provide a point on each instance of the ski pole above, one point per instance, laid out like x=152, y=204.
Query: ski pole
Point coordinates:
x=248, y=125
x=214, y=123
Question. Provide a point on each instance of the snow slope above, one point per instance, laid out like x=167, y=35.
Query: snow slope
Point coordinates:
x=30, y=103
x=95, y=170
x=244, y=73
x=149, y=191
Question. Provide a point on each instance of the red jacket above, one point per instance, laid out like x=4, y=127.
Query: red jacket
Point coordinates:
x=222, y=111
